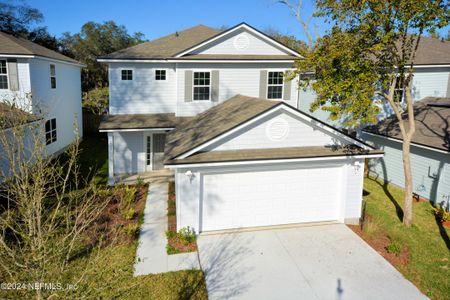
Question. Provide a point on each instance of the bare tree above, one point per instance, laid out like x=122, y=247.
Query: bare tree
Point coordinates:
x=297, y=11
x=46, y=206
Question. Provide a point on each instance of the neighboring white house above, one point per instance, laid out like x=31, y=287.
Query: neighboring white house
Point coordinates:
x=431, y=78
x=430, y=150
x=239, y=161
x=44, y=83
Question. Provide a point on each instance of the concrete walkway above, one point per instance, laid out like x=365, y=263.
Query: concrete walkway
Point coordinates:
x=316, y=262
x=151, y=256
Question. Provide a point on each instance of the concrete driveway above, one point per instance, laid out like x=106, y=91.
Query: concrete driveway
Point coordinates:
x=315, y=262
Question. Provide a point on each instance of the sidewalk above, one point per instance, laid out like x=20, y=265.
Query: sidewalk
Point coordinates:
x=151, y=256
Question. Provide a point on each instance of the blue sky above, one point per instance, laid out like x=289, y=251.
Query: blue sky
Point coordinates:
x=158, y=18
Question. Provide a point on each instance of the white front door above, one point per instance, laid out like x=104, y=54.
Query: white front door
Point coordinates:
x=270, y=197
x=148, y=143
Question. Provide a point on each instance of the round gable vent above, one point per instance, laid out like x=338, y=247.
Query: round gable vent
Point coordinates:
x=241, y=42
x=277, y=129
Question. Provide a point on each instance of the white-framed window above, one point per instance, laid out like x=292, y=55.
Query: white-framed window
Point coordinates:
x=398, y=91
x=275, y=85
x=3, y=75
x=52, y=76
x=50, y=131
x=127, y=74
x=160, y=75
x=201, y=86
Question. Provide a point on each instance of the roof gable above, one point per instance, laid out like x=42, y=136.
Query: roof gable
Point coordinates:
x=230, y=116
x=240, y=39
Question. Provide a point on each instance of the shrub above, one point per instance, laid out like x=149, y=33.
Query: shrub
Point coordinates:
x=126, y=195
x=140, y=182
x=394, y=248
x=131, y=230
x=441, y=213
x=129, y=214
x=187, y=235
x=171, y=250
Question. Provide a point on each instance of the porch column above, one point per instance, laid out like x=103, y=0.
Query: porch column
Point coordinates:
x=110, y=158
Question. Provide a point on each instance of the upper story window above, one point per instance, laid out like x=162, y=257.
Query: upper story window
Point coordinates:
x=50, y=131
x=275, y=85
x=160, y=75
x=3, y=75
x=127, y=74
x=202, y=85
x=53, y=76
x=398, y=91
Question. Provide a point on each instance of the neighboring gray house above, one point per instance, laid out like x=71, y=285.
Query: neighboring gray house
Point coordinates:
x=239, y=161
x=431, y=78
x=44, y=83
x=430, y=150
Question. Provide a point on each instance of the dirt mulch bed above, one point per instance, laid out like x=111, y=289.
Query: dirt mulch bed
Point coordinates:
x=175, y=244
x=112, y=224
x=380, y=244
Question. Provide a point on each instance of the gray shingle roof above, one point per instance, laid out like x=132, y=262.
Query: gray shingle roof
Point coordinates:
x=140, y=121
x=273, y=153
x=12, y=45
x=432, y=118
x=214, y=122
x=432, y=51
x=167, y=46
x=11, y=116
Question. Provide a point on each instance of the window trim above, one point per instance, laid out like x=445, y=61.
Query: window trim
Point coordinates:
x=7, y=75
x=55, y=130
x=282, y=84
x=193, y=85
x=53, y=76
x=165, y=74
x=121, y=74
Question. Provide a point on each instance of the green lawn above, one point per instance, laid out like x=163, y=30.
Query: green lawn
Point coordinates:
x=427, y=242
x=114, y=264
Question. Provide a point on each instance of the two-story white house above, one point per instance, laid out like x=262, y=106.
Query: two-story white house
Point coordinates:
x=44, y=83
x=214, y=107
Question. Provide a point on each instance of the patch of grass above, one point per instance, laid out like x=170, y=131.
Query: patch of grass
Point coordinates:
x=427, y=241
x=394, y=247
x=113, y=279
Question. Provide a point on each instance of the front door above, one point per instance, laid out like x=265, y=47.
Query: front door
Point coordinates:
x=148, y=151
x=159, y=141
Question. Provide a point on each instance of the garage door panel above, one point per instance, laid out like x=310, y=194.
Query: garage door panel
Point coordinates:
x=263, y=198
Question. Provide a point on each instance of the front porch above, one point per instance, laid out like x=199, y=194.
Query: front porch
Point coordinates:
x=136, y=146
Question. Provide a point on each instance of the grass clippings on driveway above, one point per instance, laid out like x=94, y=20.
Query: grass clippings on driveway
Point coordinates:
x=423, y=250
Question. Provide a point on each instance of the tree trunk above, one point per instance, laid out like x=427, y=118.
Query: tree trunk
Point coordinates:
x=408, y=198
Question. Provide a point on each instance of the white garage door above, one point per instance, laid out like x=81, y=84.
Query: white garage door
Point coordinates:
x=263, y=198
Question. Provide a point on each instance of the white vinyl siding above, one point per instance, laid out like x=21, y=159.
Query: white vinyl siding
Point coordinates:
x=62, y=103
x=129, y=152
x=433, y=82
x=430, y=169
x=235, y=78
x=255, y=45
x=144, y=94
x=257, y=136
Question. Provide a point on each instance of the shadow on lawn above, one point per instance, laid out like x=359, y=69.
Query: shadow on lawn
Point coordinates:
x=385, y=186
x=442, y=232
